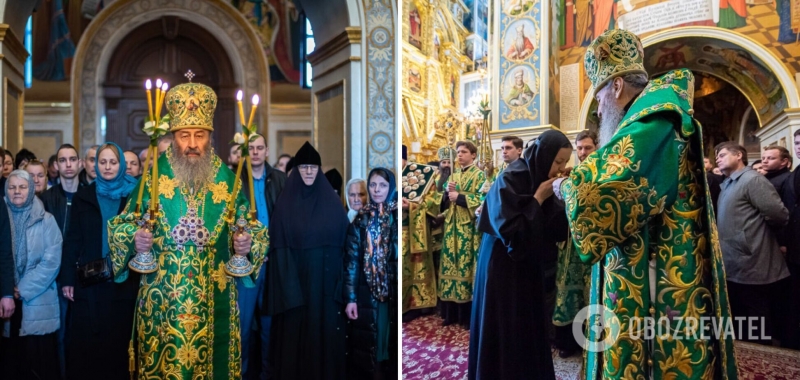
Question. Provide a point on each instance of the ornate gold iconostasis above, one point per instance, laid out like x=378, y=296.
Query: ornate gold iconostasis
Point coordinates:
x=443, y=74
x=743, y=53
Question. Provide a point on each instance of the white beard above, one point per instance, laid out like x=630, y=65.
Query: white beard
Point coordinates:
x=609, y=123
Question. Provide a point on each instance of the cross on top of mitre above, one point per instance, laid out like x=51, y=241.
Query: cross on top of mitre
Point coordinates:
x=189, y=75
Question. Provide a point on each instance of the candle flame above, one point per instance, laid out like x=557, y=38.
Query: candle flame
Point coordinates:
x=158, y=83
x=255, y=99
x=148, y=85
x=239, y=95
x=165, y=87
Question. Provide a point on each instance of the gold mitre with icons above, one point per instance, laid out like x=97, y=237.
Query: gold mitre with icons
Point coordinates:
x=191, y=105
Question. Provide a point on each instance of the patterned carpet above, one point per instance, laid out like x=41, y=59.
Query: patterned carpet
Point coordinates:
x=431, y=351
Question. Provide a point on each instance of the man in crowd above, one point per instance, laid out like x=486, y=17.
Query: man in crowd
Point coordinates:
x=461, y=237
x=58, y=201
x=134, y=166
x=190, y=299
x=790, y=245
x=52, y=172
x=776, y=162
x=758, y=167
x=749, y=208
x=636, y=208
x=510, y=149
x=255, y=324
x=234, y=156
x=87, y=174
x=572, y=275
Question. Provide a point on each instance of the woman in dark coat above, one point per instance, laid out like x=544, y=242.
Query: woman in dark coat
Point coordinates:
x=101, y=315
x=521, y=222
x=370, y=282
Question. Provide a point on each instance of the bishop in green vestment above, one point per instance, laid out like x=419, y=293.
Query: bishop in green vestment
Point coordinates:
x=461, y=239
x=186, y=323
x=640, y=207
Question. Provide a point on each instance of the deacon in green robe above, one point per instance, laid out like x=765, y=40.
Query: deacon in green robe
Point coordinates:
x=461, y=239
x=640, y=207
x=186, y=323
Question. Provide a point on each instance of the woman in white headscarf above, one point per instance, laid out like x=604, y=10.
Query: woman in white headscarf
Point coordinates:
x=356, y=197
x=36, y=245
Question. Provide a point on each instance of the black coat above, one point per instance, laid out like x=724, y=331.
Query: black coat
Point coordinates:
x=6, y=255
x=274, y=184
x=363, y=332
x=790, y=238
x=101, y=317
x=55, y=202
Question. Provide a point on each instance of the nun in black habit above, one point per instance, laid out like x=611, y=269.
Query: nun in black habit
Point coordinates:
x=304, y=280
x=521, y=222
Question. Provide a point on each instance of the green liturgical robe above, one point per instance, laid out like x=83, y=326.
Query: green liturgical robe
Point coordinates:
x=461, y=239
x=640, y=207
x=186, y=322
x=419, y=275
x=572, y=280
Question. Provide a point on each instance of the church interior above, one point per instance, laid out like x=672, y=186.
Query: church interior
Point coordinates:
x=472, y=68
x=74, y=72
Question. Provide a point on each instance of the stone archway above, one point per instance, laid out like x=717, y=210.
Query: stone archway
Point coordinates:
x=785, y=94
x=104, y=34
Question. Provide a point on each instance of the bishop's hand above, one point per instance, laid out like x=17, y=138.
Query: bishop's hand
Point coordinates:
x=143, y=239
x=242, y=243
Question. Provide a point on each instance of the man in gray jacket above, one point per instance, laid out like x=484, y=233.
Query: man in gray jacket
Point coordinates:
x=749, y=209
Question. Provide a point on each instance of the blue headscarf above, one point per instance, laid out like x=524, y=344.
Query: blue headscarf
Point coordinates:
x=109, y=192
x=121, y=185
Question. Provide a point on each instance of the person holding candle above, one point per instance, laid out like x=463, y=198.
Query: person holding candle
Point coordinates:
x=307, y=245
x=187, y=318
x=268, y=184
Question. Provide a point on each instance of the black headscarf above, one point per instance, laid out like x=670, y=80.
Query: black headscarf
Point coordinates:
x=540, y=154
x=508, y=204
x=307, y=216
x=335, y=179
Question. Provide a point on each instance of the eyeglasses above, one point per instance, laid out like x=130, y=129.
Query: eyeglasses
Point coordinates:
x=308, y=168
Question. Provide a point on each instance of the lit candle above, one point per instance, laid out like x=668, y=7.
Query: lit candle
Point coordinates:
x=252, y=112
x=239, y=97
x=162, y=95
x=158, y=97
x=148, y=85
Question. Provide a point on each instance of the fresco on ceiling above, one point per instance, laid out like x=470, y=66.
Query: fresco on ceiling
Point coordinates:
x=725, y=60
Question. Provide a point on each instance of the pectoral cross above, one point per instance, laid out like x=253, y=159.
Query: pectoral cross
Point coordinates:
x=189, y=75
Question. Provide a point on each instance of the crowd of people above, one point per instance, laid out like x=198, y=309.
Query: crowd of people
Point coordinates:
x=643, y=225
x=318, y=303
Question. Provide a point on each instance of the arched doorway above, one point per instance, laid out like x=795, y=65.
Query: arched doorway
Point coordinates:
x=165, y=48
x=236, y=38
x=740, y=86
